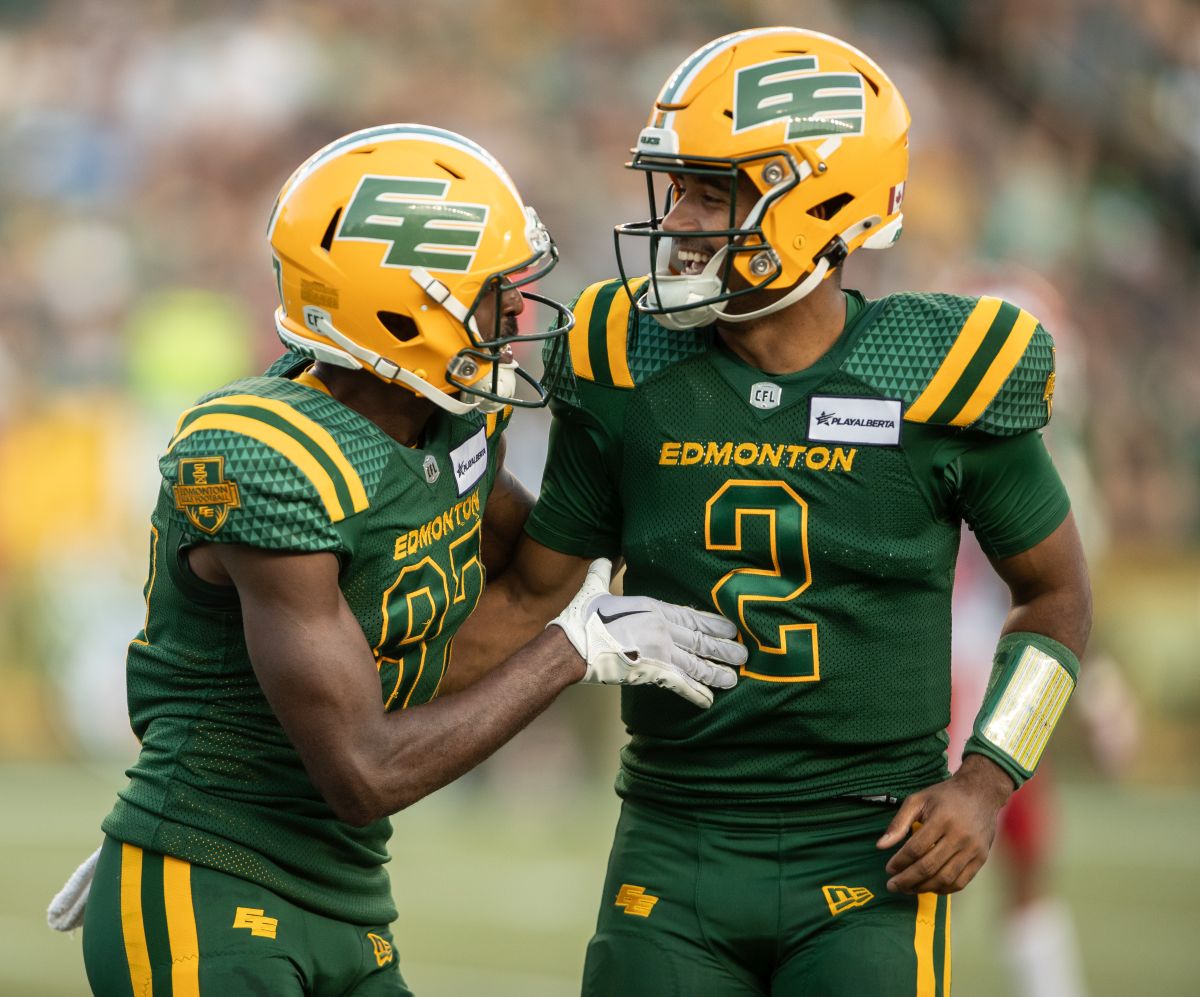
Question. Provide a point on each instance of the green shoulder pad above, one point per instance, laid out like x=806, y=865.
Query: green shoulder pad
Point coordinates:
x=981, y=363
x=287, y=364
x=271, y=463
x=613, y=345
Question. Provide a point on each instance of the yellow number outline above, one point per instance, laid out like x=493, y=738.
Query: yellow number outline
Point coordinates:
x=773, y=572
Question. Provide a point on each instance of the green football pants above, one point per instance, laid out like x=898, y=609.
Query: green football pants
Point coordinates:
x=156, y=926
x=788, y=904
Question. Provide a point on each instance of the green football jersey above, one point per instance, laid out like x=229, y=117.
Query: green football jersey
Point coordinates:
x=820, y=511
x=279, y=464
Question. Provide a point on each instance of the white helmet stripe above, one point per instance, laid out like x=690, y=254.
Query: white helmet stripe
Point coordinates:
x=371, y=136
x=690, y=68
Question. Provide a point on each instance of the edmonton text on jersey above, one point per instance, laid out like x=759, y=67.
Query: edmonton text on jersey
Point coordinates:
x=464, y=513
x=675, y=453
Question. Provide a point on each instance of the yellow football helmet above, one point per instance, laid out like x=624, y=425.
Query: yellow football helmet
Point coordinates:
x=821, y=133
x=385, y=244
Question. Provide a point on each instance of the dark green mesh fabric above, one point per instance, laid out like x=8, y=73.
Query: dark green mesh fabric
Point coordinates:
x=841, y=558
x=879, y=570
x=910, y=334
x=217, y=782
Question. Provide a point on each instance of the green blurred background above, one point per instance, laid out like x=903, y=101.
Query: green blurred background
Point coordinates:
x=1056, y=157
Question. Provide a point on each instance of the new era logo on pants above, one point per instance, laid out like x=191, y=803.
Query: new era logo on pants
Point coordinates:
x=842, y=898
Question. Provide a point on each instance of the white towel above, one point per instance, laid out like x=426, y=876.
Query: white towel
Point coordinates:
x=66, y=909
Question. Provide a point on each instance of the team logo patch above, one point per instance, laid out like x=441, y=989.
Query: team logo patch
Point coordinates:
x=413, y=218
x=635, y=900
x=790, y=91
x=469, y=461
x=382, y=948
x=843, y=898
x=252, y=918
x=836, y=419
x=203, y=494
x=765, y=395
x=431, y=469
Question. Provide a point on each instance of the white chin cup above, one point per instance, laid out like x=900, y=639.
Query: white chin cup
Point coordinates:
x=678, y=291
x=506, y=387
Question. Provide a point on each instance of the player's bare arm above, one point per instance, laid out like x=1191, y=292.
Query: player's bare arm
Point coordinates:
x=955, y=821
x=318, y=674
x=533, y=588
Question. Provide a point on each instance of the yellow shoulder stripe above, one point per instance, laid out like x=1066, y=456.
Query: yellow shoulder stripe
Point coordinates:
x=277, y=440
x=618, y=335
x=986, y=351
x=997, y=373
x=968, y=341
x=581, y=358
x=313, y=430
x=492, y=419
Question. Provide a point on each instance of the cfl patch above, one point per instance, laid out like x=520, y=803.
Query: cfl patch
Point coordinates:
x=838, y=419
x=469, y=461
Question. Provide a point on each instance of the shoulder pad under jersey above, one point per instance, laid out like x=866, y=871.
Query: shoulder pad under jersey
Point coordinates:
x=981, y=363
x=271, y=463
x=287, y=364
x=613, y=345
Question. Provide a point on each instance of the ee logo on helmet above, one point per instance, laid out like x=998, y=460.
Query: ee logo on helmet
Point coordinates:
x=814, y=105
x=412, y=216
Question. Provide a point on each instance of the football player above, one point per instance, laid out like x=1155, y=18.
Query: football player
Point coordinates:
x=320, y=534
x=750, y=435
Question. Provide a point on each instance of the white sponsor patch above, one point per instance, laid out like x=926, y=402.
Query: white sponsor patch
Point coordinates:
x=470, y=460
x=837, y=419
x=764, y=394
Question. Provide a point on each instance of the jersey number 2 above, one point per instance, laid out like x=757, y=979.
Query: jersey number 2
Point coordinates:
x=779, y=652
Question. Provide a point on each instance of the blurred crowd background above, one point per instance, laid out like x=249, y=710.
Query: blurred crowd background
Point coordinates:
x=1055, y=158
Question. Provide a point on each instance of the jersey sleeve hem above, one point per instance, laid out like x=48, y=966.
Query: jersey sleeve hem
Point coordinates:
x=1050, y=519
x=566, y=543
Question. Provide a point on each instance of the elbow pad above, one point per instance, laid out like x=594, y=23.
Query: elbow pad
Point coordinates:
x=1032, y=678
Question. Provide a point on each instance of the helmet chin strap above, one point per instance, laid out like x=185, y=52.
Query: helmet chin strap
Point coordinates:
x=706, y=284
x=355, y=357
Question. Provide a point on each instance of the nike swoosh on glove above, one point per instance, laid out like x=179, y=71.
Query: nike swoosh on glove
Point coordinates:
x=636, y=640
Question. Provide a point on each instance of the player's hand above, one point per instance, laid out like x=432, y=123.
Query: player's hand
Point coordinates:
x=953, y=824
x=640, y=641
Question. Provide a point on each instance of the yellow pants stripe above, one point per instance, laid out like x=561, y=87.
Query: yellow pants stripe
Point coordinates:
x=133, y=930
x=946, y=957
x=181, y=927
x=965, y=345
x=923, y=944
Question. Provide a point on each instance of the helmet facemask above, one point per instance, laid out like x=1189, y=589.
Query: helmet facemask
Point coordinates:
x=682, y=301
x=817, y=135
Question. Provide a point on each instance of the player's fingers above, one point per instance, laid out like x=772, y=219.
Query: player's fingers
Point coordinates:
x=728, y=652
x=667, y=676
x=698, y=620
x=966, y=874
x=951, y=878
x=910, y=812
x=702, y=670
x=922, y=875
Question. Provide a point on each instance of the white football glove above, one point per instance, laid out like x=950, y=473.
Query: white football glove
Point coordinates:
x=636, y=640
x=68, y=906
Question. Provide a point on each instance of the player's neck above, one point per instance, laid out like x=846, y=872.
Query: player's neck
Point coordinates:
x=394, y=409
x=794, y=338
